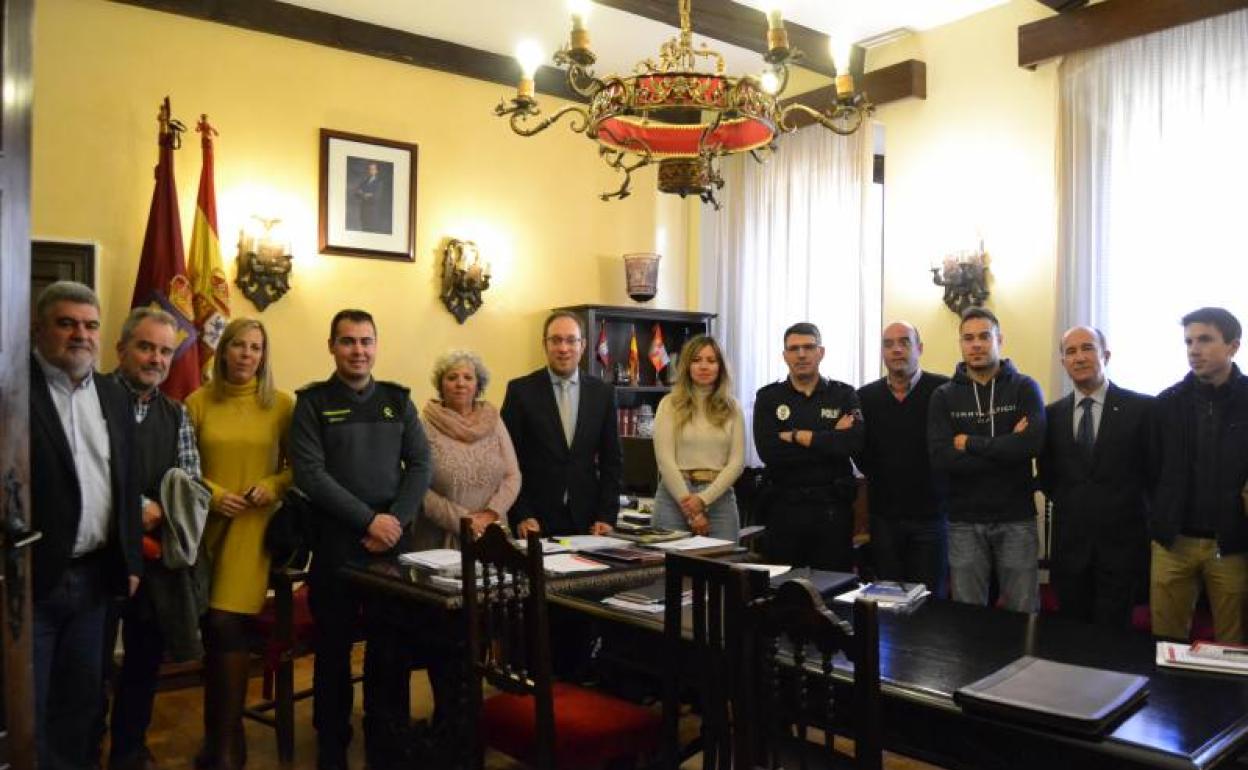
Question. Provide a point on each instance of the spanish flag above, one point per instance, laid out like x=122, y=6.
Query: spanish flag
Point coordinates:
x=212, y=290
x=634, y=360
x=162, y=280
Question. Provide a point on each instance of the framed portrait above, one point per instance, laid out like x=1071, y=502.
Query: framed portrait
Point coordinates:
x=367, y=196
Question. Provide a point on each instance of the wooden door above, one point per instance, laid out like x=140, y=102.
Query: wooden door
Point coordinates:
x=17, y=699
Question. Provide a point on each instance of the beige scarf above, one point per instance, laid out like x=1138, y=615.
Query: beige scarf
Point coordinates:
x=469, y=428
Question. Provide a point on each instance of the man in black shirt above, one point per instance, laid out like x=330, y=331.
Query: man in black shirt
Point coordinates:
x=806, y=428
x=908, y=526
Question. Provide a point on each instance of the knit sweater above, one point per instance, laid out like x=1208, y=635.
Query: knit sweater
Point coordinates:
x=894, y=456
x=474, y=468
x=698, y=445
x=240, y=446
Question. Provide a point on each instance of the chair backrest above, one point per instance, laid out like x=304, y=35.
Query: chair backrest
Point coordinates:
x=797, y=641
x=716, y=623
x=507, y=638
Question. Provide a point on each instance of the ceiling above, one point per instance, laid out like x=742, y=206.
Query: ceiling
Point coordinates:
x=620, y=38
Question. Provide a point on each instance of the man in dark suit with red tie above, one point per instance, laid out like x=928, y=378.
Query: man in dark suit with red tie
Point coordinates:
x=1095, y=471
x=562, y=423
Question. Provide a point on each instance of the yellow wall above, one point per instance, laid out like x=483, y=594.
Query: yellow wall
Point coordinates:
x=977, y=157
x=531, y=204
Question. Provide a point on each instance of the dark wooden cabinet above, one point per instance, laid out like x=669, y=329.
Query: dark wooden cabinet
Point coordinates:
x=619, y=325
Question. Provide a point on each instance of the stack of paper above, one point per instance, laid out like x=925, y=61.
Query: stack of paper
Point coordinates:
x=590, y=542
x=899, y=603
x=893, y=591
x=695, y=543
x=648, y=599
x=437, y=559
x=1204, y=656
x=773, y=570
x=569, y=563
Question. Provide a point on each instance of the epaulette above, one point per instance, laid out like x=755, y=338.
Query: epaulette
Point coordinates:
x=394, y=386
x=314, y=385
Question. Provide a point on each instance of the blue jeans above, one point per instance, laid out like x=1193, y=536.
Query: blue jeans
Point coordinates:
x=722, y=514
x=1011, y=548
x=911, y=550
x=69, y=667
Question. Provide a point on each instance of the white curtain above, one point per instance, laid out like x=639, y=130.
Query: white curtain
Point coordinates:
x=1154, y=208
x=787, y=246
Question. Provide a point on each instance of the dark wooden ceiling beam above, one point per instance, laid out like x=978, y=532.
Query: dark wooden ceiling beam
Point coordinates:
x=1110, y=22
x=903, y=80
x=735, y=24
x=311, y=26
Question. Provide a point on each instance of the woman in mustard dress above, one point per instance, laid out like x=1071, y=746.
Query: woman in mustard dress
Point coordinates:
x=241, y=422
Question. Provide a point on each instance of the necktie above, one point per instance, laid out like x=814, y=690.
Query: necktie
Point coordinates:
x=1083, y=435
x=565, y=410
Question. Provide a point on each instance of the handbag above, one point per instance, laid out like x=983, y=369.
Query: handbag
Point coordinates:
x=290, y=535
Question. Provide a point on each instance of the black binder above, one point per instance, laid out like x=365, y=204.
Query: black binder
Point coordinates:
x=1073, y=699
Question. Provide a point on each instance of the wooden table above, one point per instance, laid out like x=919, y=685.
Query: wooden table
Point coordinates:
x=1190, y=720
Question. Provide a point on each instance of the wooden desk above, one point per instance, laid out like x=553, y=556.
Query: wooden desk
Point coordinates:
x=1190, y=720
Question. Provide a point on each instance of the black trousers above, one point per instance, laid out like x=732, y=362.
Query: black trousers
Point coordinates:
x=340, y=613
x=810, y=533
x=1098, y=592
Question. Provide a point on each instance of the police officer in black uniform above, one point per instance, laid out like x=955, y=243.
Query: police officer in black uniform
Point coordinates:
x=806, y=428
x=362, y=458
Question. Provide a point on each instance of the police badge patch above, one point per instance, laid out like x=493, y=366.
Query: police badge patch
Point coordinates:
x=782, y=412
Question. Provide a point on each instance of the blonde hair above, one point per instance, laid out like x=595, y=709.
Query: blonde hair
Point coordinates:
x=719, y=405
x=264, y=373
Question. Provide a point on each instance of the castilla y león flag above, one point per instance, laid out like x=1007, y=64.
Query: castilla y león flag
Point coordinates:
x=162, y=281
x=658, y=352
x=212, y=290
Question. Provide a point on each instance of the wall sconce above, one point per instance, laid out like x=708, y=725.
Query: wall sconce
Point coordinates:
x=965, y=277
x=464, y=278
x=264, y=262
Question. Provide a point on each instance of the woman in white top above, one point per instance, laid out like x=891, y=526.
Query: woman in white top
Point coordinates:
x=699, y=443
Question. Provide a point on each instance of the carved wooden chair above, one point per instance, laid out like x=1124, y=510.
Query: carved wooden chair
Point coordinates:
x=797, y=642
x=532, y=718
x=708, y=641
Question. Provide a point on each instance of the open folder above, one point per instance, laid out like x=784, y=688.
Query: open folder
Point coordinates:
x=1076, y=699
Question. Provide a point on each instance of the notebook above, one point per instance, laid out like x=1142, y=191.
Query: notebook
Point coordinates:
x=1074, y=699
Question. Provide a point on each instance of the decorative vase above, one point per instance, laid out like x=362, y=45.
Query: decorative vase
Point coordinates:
x=641, y=275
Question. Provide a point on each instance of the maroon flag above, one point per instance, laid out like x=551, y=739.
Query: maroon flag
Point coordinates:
x=162, y=280
x=604, y=352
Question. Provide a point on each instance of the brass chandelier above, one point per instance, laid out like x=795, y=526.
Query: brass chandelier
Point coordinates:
x=674, y=113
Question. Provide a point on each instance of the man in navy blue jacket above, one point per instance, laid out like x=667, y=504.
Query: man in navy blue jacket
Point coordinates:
x=984, y=429
x=1200, y=532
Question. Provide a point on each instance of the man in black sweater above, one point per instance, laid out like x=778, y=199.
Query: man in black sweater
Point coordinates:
x=361, y=456
x=984, y=428
x=1199, y=527
x=908, y=527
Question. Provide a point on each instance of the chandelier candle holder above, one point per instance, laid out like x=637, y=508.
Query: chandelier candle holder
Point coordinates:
x=679, y=111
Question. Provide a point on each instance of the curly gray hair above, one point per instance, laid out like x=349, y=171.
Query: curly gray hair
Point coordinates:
x=454, y=358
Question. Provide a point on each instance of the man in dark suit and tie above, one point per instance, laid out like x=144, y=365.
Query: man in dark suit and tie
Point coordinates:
x=1095, y=470
x=562, y=423
x=85, y=500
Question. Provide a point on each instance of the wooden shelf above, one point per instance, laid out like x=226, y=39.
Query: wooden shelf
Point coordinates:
x=642, y=389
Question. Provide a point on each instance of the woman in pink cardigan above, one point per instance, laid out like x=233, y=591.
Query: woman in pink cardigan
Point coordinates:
x=474, y=465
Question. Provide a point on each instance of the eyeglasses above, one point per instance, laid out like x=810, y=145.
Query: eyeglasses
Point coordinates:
x=808, y=347
x=556, y=341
